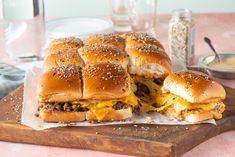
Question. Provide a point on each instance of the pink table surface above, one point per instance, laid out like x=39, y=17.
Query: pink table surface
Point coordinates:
x=221, y=29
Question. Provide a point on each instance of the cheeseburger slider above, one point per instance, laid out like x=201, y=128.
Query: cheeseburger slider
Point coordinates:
x=107, y=92
x=58, y=89
x=97, y=92
x=148, y=67
x=109, y=39
x=191, y=96
x=103, y=53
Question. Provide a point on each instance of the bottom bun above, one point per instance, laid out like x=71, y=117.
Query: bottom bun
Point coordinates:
x=113, y=115
x=62, y=116
x=192, y=117
x=198, y=117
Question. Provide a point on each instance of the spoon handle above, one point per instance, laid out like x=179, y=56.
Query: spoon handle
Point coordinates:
x=208, y=41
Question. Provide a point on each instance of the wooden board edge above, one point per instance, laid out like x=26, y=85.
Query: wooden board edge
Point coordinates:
x=202, y=134
x=14, y=132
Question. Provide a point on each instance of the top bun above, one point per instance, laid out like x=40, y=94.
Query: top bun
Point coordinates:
x=62, y=43
x=141, y=38
x=98, y=53
x=111, y=39
x=149, y=61
x=60, y=84
x=194, y=87
x=63, y=57
x=105, y=81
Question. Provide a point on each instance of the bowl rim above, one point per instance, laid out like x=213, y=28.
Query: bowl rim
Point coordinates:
x=201, y=62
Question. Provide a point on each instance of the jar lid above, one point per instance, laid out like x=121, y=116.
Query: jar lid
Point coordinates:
x=80, y=27
x=182, y=12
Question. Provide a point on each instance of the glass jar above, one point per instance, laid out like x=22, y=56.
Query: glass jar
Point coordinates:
x=181, y=36
x=24, y=29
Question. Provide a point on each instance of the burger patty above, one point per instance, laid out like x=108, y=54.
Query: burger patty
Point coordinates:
x=159, y=81
x=142, y=89
x=120, y=105
x=68, y=106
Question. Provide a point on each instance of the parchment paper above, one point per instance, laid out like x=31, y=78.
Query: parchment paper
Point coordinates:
x=30, y=108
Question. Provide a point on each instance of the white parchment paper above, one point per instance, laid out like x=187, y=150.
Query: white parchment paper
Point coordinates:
x=30, y=108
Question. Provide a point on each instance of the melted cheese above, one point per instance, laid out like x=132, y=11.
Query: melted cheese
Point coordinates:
x=131, y=100
x=148, y=100
x=99, y=108
x=179, y=104
x=153, y=87
x=102, y=108
x=100, y=113
x=146, y=108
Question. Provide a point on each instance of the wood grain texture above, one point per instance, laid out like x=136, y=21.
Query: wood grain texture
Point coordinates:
x=141, y=140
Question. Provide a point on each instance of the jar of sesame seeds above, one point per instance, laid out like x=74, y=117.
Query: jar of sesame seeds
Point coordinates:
x=181, y=36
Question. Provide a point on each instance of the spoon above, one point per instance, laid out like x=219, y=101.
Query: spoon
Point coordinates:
x=217, y=58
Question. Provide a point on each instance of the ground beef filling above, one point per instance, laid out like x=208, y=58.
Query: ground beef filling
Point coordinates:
x=120, y=105
x=142, y=90
x=159, y=81
x=136, y=109
x=70, y=107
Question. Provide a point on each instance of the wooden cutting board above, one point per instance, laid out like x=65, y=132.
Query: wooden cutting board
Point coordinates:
x=141, y=140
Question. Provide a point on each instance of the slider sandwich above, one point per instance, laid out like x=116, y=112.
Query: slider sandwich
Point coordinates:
x=58, y=89
x=103, y=53
x=107, y=92
x=97, y=92
x=148, y=66
x=191, y=96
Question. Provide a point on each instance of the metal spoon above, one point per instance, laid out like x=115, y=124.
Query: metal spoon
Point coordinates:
x=217, y=58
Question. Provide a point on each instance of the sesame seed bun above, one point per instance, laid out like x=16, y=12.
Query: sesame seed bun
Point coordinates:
x=111, y=39
x=60, y=84
x=66, y=117
x=195, y=116
x=194, y=87
x=113, y=115
x=62, y=116
x=198, y=116
x=62, y=43
x=191, y=117
x=98, y=53
x=104, y=81
x=141, y=38
x=61, y=58
x=149, y=61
